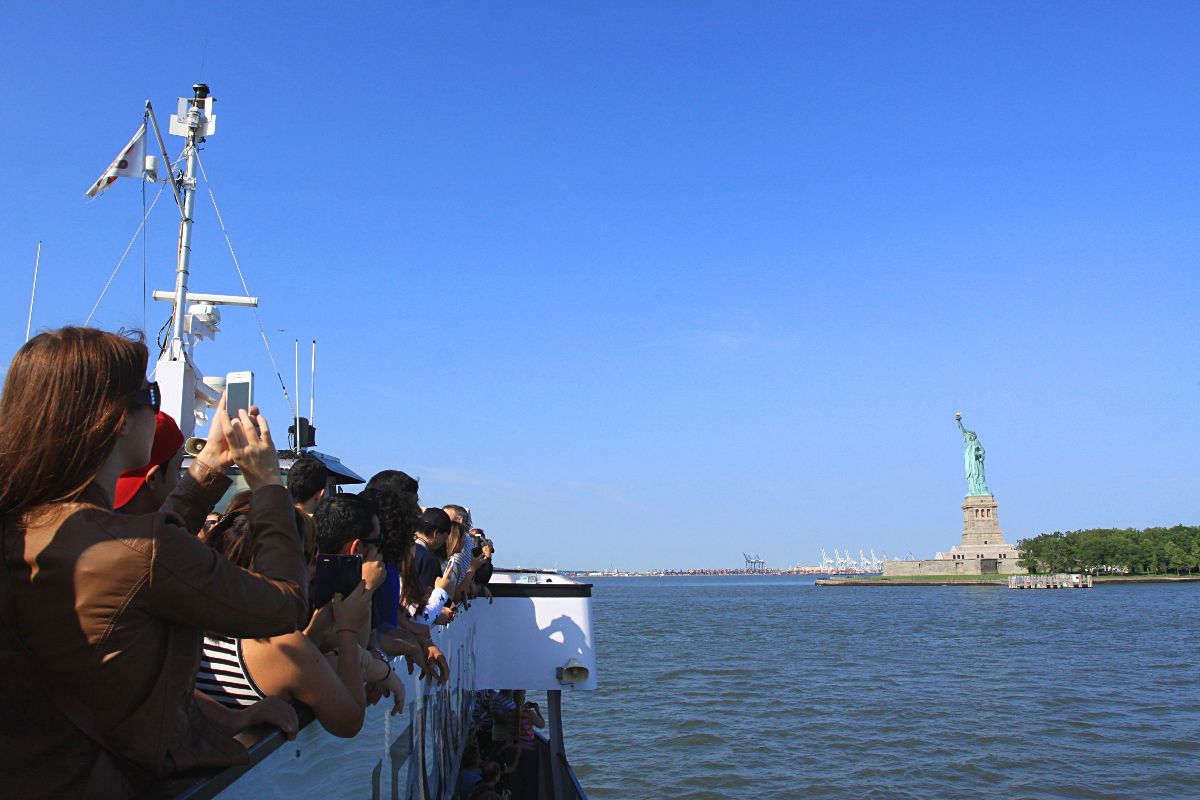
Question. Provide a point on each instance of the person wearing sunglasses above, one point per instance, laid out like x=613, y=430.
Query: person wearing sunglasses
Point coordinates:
x=102, y=614
x=240, y=672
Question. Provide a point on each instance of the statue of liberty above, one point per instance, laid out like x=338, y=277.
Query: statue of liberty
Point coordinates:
x=973, y=455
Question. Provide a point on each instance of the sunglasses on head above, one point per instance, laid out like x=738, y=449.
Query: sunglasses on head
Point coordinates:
x=148, y=395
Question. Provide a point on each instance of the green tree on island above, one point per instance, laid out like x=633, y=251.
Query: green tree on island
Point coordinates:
x=1114, y=551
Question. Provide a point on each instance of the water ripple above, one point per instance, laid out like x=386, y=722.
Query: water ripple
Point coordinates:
x=897, y=692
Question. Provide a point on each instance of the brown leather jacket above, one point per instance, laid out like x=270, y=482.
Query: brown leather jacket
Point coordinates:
x=113, y=608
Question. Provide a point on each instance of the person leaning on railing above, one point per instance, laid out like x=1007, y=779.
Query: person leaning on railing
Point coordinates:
x=392, y=634
x=404, y=599
x=101, y=614
x=480, y=571
x=241, y=672
x=458, y=548
x=429, y=535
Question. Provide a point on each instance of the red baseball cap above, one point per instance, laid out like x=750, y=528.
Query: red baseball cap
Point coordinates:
x=167, y=441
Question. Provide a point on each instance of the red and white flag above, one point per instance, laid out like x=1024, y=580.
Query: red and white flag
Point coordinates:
x=129, y=164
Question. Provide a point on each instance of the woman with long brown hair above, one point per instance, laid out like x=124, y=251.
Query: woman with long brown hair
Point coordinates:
x=457, y=557
x=101, y=614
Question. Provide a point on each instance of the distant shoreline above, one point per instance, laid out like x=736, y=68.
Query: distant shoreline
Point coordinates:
x=948, y=580
x=874, y=579
x=708, y=574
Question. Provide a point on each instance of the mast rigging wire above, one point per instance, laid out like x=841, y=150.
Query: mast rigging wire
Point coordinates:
x=128, y=247
x=37, y=260
x=245, y=288
x=144, y=231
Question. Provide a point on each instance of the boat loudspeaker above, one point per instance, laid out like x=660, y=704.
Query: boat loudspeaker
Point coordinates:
x=194, y=445
x=572, y=673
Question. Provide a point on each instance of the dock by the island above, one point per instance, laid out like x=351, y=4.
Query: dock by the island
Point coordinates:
x=1059, y=581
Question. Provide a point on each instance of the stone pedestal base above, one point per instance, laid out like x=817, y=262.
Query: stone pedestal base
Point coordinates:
x=981, y=525
x=945, y=566
x=983, y=550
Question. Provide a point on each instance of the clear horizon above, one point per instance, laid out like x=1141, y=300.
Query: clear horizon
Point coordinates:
x=653, y=285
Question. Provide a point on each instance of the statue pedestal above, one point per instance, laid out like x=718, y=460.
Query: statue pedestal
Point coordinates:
x=983, y=549
x=982, y=552
x=981, y=526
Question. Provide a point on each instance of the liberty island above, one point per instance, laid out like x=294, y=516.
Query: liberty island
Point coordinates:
x=982, y=550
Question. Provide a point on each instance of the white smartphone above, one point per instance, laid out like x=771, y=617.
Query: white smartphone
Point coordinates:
x=239, y=387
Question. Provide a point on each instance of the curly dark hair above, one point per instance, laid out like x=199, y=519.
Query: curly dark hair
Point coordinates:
x=394, y=493
x=393, y=522
x=393, y=480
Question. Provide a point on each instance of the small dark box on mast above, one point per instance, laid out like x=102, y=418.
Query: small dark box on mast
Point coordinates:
x=307, y=437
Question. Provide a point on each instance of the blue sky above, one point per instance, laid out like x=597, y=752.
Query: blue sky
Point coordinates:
x=652, y=284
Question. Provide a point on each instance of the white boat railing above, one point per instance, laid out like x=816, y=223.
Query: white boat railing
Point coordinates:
x=541, y=622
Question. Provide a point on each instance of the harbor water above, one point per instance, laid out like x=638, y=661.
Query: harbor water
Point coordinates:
x=772, y=687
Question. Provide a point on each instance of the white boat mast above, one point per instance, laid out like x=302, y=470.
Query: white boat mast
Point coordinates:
x=195, y=121
x=185, y=393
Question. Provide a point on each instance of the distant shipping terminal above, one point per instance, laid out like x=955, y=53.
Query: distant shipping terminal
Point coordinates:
x=840, y=564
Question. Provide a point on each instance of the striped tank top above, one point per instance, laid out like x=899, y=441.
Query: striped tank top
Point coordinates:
x=223, y=675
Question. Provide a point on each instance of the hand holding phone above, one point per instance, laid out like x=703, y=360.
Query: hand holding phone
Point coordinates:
x=336, y=574
x=239, y=386
x=249, y=443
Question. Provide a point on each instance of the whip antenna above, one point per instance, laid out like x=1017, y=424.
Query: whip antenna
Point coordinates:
x=296, y=364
